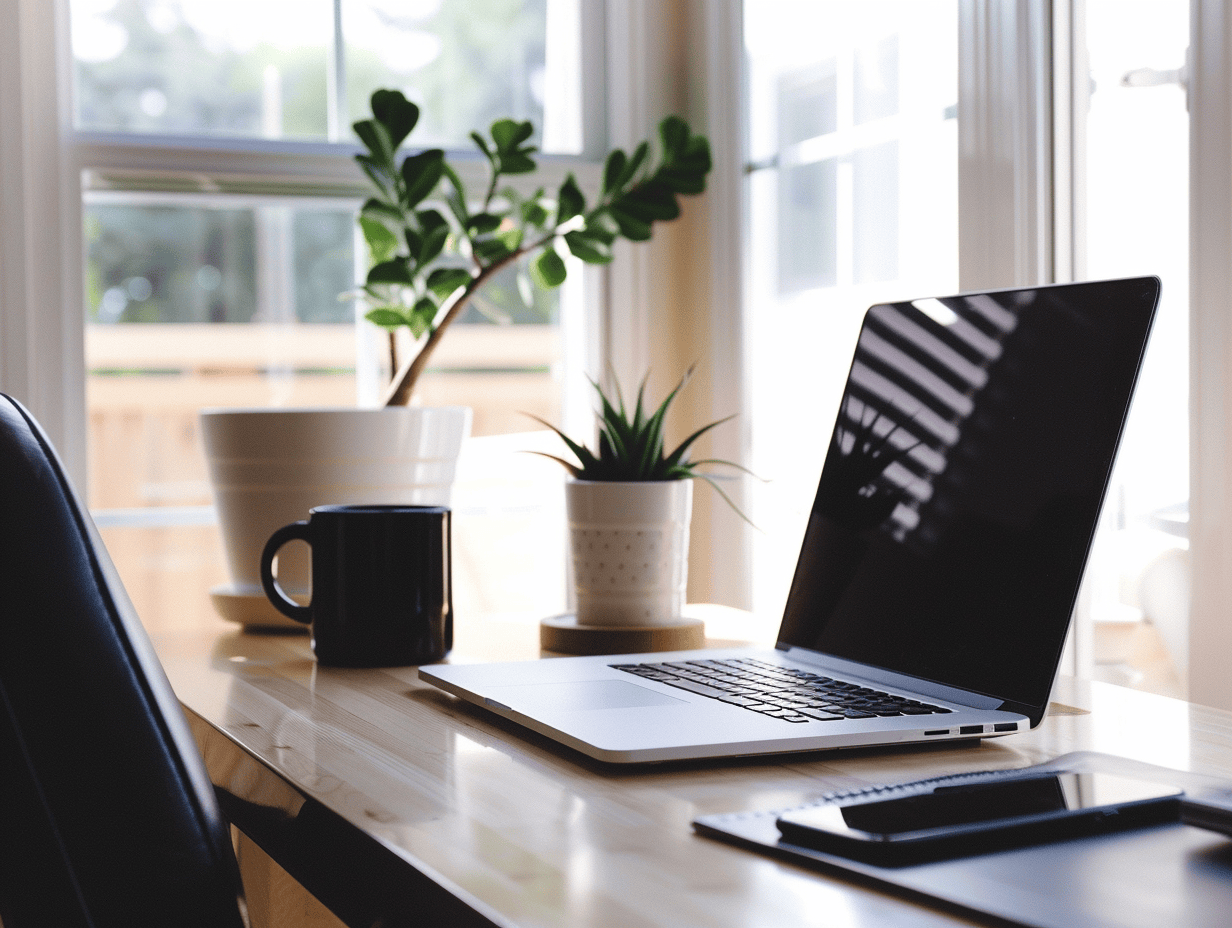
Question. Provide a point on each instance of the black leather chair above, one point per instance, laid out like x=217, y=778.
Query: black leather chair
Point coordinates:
x=107, y=816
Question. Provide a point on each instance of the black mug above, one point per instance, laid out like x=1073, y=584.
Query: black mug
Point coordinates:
x=381, y=584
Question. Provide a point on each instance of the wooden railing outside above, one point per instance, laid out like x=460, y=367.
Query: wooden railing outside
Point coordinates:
x=148, y=382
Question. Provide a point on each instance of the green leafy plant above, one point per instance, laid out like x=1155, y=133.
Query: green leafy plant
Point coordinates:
x=631, y=446
x=426, y=265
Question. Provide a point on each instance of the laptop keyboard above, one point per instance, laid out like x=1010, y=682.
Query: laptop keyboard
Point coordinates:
x=780, y=692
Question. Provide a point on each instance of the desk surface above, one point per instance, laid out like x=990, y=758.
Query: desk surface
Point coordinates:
x=386, y=797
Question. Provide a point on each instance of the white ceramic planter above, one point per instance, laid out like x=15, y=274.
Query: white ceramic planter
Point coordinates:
x=629, y=544
x=270, y=466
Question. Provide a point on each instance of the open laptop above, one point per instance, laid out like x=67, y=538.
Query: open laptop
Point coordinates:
x=940, y=564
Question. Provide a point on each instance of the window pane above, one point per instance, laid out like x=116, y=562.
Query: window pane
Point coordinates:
x=465, y=64
x=876, y=80
x=162, y=262
x=808, y=204
x=1137, y=222
x=267, y=68
x=874, y=213
x=254, y=68
x=199, y=301
x=853, y=200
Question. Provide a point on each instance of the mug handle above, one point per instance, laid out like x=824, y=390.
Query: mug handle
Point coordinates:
x=281, y=601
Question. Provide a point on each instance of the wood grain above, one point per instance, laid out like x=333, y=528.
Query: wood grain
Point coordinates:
x=374, y=785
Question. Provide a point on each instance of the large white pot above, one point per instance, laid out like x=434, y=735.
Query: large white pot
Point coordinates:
x=630, y=547
x=270, y=466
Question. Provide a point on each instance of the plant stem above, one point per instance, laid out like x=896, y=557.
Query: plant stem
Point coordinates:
x=393, y=351
x=402, y=387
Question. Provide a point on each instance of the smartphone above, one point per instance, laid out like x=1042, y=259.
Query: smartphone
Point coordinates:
x=915, y=823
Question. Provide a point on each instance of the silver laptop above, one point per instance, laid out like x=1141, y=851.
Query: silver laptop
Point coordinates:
x=940, y=564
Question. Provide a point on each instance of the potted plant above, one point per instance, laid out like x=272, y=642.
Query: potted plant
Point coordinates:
x=432, y=247
x=629, y=505
x=426, y=265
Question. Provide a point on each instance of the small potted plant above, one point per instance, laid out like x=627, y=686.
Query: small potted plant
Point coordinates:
x=629, y=505
x=432, y=246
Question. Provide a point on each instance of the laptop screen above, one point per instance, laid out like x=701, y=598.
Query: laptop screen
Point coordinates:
x=963, y=481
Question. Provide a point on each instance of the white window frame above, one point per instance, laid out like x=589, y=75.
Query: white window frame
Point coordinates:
x=41, y=341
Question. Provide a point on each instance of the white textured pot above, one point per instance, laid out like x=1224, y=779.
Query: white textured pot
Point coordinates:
x=630, y=547
x=270, y=466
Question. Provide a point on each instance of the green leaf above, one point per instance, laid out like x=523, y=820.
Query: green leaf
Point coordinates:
x=517, y=162
x=430, y=219
x=487, y=250
x=600, y=225
x=583, y=454
x=433, y=244
x=381, y=242
x=398, y=114
x=548, y=269
x=376, y=137
x=421, y=316
x=390, y=272
x=674, y=133
x=421, y=173
x=677, y=455
x=650, y=201
x=445, y=280
x=569, y=202
x=377, y=209
x=511, y=238
x=483, y=223
x=376, y=173
x=590, y=250
x=612, y=169
x=414, y=242
x=456, y=197
x=386, y=317
x=630, y=227
x=634, y=164
x=509, y=134
x=534, y=214
x=687, y=182
x=697, y=153
x=482, y=143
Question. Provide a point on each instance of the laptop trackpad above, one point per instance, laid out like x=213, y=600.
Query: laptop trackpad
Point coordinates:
x=589, y=694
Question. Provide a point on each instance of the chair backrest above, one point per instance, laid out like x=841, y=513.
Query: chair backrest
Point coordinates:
x=107, y=816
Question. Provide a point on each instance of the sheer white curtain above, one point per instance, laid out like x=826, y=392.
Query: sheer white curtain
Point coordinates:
x=1210, y=273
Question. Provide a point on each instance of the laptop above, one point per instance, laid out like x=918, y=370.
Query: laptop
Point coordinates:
x=941, y=560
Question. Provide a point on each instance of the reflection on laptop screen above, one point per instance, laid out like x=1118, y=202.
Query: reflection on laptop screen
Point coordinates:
x=963, y=482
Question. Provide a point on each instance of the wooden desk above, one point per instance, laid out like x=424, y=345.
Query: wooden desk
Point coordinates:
x=390, y=800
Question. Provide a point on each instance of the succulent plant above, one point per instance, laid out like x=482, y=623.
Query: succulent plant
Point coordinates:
x=631, y=445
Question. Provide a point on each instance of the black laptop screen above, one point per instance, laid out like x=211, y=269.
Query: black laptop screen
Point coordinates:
x=963, y=481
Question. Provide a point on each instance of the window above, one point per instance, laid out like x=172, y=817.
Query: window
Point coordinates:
x=218, y=204
x=853, y=200
x=1136, y=185
x=303, y=69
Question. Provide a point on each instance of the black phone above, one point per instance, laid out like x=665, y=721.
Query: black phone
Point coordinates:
x=940, y=819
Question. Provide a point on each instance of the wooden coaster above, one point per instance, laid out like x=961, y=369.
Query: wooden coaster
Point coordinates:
x=563, y=634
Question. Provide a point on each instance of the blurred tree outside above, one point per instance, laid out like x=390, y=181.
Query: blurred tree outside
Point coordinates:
x=247, y=68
